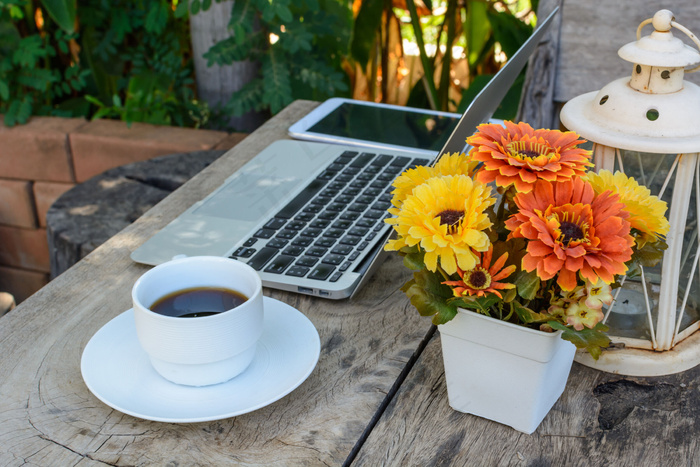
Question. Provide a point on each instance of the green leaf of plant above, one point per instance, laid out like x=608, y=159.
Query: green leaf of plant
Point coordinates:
x=414, y=261
x=528, y=316
x=429, y=304
x=195, y=7
x=592, y=340
x=508, y=30
x=650, y=254
x=367, y=23
x=477, y=29
x=277, y=92
x=63, y=12
x=181, y=9
x=527, y=284
x=4, y=90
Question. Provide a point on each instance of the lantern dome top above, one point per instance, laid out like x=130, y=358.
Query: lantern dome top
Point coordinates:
x=655, y=110
x=660, y=48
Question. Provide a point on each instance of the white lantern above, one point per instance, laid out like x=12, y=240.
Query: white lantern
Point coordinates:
x=648, y=126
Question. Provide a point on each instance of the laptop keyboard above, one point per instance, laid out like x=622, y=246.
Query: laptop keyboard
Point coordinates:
x=324, y=231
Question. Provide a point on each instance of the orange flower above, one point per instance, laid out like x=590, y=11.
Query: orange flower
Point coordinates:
x=484, y=277
x=572, y=230
x=518, y=155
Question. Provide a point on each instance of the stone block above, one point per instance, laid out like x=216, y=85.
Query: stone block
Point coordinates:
x=45, y=193
x=103, y=144
x=17, y=206
x=21, y=283
x=38, y=150
x=24, y=248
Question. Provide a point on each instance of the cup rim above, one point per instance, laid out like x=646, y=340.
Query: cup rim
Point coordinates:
x=218, y=259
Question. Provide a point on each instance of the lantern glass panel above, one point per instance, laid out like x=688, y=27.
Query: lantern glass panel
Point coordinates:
x=629, y=316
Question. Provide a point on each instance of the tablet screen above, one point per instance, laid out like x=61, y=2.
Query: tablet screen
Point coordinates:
x=387, y=125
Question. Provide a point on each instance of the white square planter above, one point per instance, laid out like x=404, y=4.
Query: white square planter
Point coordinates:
x=503, y=372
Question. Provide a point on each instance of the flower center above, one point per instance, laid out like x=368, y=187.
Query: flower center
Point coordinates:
x=570, y=231
x=528, y=150
x=451, y=219
x=478, y=278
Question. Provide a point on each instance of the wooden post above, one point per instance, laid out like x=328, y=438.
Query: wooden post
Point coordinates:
x=216, y=83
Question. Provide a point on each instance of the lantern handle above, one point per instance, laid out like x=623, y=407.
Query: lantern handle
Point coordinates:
x=663, y=21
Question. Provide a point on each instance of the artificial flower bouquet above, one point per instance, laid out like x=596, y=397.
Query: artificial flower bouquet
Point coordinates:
x=521, y=229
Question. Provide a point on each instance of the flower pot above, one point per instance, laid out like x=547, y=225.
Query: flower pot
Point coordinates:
x=503, y=372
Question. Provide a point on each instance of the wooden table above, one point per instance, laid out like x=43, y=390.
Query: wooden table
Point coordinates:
x=377, y=395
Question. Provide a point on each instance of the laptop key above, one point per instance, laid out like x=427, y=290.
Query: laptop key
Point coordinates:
x=261, y=258
x=345, y=266
x=316, y=251
x=264, y=233
x=333, y=259
x=319, y=224
x=350, y=240
x=244, y=252
x=303, y=241
x=357, y=207
x=293, y=250
x=418, y=162
x=374, y=214
x=350, y=215
x=301, y=199
x=400, y=161
x=287, y=234
x=304, y=216
x=307, y=261
x=322, y=271
x=359, y=231
x=298, y=271
x=328, y=215
x=362, y=160
x=279, y=264
x=325, y=242
x=335, y=277
x=296, y=225
x=275, y=223
x=277, y=243
x=341, y=249
x=383, y=159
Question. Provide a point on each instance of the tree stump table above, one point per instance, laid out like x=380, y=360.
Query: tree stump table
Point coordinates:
x=90, y=213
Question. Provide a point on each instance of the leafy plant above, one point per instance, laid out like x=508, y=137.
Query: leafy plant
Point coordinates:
x=299, y=45
x=129, y=59
x=544, y=251
x=479, y=27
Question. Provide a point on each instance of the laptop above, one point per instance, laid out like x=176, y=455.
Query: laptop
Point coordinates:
x=309, y=216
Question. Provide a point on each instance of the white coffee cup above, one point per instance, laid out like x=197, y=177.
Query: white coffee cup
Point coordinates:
x=203, y=350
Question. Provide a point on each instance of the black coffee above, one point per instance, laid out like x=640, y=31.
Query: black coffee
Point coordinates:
x=198, y=302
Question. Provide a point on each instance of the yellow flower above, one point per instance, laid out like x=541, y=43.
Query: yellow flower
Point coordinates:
x=449, y=164
x=646, y=211
x=598, y=294
x=579, y=315
x=446, y=217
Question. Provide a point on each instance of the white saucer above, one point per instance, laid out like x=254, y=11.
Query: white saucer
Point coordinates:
x=118, y=372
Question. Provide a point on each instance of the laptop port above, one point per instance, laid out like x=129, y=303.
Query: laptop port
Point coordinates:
x=323, y=293
x=305, y=290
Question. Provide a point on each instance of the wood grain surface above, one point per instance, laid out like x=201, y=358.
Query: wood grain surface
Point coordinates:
x=601, y=420
x=48, y=416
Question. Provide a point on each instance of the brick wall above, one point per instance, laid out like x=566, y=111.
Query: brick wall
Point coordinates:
x=41, y=160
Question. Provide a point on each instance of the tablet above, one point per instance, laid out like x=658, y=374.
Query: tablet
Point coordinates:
x=382, y=126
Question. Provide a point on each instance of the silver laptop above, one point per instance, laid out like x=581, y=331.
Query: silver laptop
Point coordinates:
x=309, y=217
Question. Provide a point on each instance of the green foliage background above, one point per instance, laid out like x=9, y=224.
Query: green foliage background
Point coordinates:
x=131, y=59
